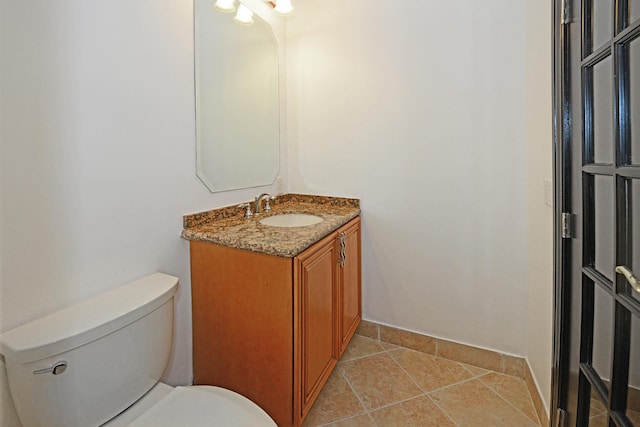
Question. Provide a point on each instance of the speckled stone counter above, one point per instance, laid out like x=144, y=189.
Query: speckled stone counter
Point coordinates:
x=228, y=227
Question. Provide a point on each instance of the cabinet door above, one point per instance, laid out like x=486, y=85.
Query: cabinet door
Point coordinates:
x=316, y=275
x=349, y=282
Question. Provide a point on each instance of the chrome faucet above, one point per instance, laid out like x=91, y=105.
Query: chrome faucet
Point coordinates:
x=268, y=198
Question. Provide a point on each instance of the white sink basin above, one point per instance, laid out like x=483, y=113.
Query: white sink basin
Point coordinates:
x=291, y=220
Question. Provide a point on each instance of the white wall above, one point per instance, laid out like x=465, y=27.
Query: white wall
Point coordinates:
x=425, y=110
x=419, y=109
x=539, y=136
x=97, y=157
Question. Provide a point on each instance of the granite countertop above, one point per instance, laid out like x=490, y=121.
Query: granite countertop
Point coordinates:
x=228, y=227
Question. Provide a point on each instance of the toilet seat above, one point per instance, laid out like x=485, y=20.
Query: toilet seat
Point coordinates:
x=204, y=406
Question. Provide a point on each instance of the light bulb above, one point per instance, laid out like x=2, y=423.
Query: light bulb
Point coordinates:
x=244, y=15
x=226, y=5
x=283, y=7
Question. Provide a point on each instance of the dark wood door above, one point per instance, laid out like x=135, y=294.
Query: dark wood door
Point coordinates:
x=597, y=342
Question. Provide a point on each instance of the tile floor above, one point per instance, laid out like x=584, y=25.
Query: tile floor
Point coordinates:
x=598, y=416
x=378, y=384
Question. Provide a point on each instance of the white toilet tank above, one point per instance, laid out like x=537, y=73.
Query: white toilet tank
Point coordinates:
x=83, y=365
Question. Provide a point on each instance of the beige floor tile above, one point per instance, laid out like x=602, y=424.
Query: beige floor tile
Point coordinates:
x=596, y=407
x=634, y=417
x=473, y=403
x=602, y=420
x=598, y=416
x=389, y=346
x=370, y=373
x=358, y=421
x=361, y=346
x=428, y=371
x=336, y=401
x=417, y=412
x=378, y=380
x=513, y=390
x=475, y=370
x=633, y=399
x=599, y=421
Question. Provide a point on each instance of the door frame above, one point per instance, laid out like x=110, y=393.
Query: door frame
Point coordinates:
x=562, y=203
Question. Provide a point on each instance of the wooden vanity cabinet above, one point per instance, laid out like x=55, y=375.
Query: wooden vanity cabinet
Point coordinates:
x=272, y=328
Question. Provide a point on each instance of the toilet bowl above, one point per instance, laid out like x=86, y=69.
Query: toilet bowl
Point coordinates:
x=99, y=363
x=194, y=406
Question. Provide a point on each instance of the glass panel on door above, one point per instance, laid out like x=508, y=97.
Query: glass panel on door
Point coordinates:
x=602, y=333
x=602, y=111
x=602, y=22
x=604, y=226
x=635, y=238
x=634, y=10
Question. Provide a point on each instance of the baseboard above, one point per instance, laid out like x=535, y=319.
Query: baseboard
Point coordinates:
x=538, y=403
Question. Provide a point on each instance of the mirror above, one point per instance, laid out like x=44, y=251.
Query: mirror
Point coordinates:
x=237, y=108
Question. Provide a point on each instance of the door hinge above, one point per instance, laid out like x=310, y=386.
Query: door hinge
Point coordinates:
x=566, y=225
x=560, y=417
x=565, y=17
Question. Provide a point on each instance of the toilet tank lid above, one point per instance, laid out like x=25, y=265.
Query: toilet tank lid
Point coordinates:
x=88, y=320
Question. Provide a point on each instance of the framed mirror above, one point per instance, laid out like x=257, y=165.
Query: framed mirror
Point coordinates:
x=237, y=105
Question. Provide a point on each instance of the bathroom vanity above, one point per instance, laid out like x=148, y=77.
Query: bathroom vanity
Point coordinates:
x=274, y=307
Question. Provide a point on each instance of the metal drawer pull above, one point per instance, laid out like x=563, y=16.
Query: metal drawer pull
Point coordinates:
x=343, y=249
x=56, y=369
x=626, y=272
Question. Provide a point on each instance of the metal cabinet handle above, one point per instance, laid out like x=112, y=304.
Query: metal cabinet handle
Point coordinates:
x=343, y=249
x=626, y=272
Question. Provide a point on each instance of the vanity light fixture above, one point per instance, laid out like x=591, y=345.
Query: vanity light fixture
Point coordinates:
x=283, y=7
x=244, y=15
x=226, y=5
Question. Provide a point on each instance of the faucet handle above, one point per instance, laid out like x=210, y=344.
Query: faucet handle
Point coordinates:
x=267, y=206
x=247, y=213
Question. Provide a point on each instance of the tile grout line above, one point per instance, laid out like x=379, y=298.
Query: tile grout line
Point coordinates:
x=425, y=393
x=350, y=417
x=361, y=357
x=453, y=385
x=503, y=357
x=406, y=373
x=428, y=394
x=369, y=411
x=511, y=404
x=443, y=410
x=464, y=365
x=353, y=390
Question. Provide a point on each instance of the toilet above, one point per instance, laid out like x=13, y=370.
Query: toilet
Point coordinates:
x=99, y=362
